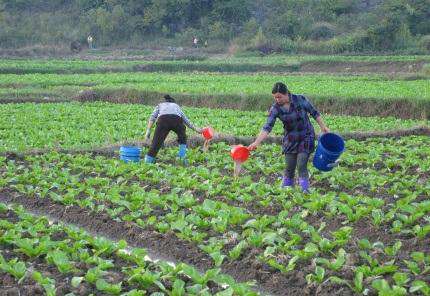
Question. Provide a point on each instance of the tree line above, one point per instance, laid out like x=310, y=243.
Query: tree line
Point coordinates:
x=265, y=25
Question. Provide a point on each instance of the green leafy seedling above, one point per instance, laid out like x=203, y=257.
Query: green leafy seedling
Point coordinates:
x=317, y=277
x=47, y=283
x=112, y=289
x=420, y=286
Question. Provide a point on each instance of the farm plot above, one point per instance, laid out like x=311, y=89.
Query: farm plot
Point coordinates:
x=364, y=229
x=23, y=66
x=315, y=85
x=73, y=125
x=279, y=59
x=335, y=94
x=273, y=63
x=42, y=257
x=405, y=96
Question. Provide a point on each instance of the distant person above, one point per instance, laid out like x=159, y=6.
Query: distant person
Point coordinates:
x=195, y=42
x=75, y=46
x=299, y=135
x=90, y=42
x=169, y=117
x=206, y=43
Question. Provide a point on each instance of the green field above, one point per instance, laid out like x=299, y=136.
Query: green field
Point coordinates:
x=378, y=93
x=74, y=125
x=224, y=64
x=76, y=220
x=204, y=84
x=84, y=264
x=365, y=227
x=351, y=95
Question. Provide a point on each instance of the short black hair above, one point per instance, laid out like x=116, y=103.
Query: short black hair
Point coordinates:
x=280, y=87
x=169, y=99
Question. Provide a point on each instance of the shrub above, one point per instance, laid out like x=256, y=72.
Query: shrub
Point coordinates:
x=426, y=69
x=287, y=45
x=259, y=45
x=322, y=31
x=403, y=38
x=425, y=42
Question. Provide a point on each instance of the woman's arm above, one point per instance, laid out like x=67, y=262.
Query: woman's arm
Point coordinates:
x=267, y=128
x=151, y=121
x=315, y=114
x=148, y=129
x=261, y=137
x=188, y=123
x=323, y=127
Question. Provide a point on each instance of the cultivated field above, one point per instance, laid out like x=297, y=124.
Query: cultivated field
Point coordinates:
x=76, y=220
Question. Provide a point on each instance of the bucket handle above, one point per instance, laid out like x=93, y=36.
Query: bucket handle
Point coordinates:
x=333, y=164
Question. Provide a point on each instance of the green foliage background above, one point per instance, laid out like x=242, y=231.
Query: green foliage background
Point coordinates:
x=326, y=26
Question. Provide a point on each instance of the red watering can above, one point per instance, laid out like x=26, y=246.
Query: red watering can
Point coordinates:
x=208, y=133
x=240, y=154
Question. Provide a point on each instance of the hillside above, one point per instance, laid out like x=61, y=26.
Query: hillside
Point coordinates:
x=329, y=26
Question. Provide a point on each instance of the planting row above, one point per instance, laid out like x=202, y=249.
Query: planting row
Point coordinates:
x=39, y=255
x=313, y=85
x=74, y=125
x=234, y=64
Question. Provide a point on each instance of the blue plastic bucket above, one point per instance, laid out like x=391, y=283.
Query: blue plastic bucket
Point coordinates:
x=129, y=153
x=330, y=147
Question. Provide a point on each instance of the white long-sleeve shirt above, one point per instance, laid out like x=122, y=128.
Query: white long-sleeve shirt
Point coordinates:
x=170, y=108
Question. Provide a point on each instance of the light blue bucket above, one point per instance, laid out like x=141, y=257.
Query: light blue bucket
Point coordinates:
x=330, y=147
x=129, y=153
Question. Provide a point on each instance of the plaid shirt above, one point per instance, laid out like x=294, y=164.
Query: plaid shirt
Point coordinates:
x=299, y=134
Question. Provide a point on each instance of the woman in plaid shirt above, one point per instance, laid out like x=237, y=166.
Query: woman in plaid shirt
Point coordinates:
x=299, y=135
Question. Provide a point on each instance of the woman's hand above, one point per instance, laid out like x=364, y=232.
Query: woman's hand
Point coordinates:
x=263, y=135
x=148, y=134
x=325, y=129
x=148, y=130
x=253, y=146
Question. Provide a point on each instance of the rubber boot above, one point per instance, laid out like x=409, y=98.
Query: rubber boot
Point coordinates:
x=182, y=154
x=287, y=182
x=304, y=183
x=149, y=159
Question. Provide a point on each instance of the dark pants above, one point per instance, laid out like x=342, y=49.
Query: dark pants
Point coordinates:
x=165, y=124
x=297, y=159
